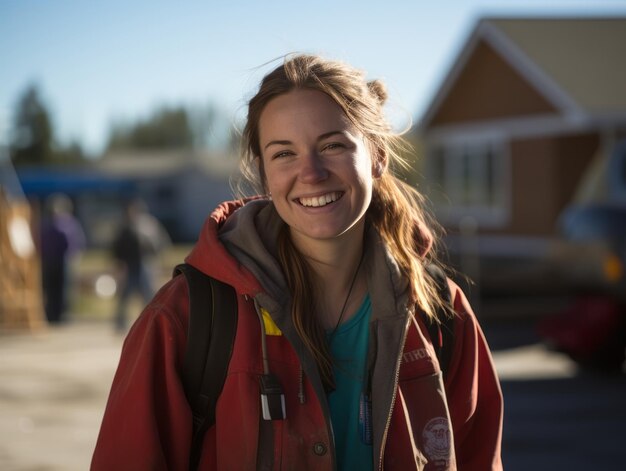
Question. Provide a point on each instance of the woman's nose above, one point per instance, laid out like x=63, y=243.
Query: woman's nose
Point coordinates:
x=312, y=169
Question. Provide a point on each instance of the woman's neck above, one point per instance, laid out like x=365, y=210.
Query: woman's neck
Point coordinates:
x=340, y=280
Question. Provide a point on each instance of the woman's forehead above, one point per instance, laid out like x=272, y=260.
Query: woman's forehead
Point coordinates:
x=301, y=111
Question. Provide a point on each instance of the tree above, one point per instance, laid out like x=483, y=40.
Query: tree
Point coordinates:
x=71, y=153
x=200, y=126
x=33, y=135
x=165, y=128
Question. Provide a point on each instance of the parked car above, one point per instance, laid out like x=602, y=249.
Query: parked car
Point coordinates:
x=580, y=271
x=521, y=266
x=605, y=224
x=592, y=330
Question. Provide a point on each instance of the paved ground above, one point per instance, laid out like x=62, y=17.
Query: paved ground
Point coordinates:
x=556, y=416
x=54, y=386
x=52, y=395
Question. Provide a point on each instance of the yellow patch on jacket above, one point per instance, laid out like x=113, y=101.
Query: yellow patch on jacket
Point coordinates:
x=270, y=327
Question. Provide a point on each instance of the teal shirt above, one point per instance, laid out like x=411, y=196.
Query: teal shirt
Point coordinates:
x=348, y=348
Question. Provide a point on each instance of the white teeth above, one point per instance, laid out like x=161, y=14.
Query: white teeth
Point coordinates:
x=318, y=201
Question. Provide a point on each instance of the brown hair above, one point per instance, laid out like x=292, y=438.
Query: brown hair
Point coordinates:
x=396, y=210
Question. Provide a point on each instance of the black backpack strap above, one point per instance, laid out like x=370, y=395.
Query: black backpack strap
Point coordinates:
x=210, y=340
x=441, y=330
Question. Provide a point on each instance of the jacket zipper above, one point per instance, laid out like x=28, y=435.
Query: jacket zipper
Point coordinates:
x=393, y=396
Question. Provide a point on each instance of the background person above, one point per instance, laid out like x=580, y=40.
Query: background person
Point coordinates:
x=329, y=269
x=62, y=238
x=135, y=247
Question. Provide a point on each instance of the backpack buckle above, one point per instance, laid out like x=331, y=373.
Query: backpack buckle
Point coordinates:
x=272, y=398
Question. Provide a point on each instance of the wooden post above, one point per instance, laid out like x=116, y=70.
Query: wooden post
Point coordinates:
x=21, y=298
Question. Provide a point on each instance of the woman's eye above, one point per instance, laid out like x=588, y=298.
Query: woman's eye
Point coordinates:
x=333, y=146
x=283, y=153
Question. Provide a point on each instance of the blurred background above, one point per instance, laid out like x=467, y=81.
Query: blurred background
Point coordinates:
x=119, y=134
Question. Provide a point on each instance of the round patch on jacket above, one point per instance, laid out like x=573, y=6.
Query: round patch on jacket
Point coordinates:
x=436, y=436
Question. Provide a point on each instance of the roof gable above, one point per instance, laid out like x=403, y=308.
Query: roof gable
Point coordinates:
x=574, y=67
x=586, y=57
x=489, y=88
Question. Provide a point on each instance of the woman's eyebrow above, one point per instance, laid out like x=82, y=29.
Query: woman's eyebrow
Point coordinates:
x=320, y=138
x=277, y=143
x=331, y=133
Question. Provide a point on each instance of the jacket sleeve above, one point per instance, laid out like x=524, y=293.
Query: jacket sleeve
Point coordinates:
x=474, y=394
x=147, y=422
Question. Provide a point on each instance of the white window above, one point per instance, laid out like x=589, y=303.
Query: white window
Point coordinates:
x=470, y=179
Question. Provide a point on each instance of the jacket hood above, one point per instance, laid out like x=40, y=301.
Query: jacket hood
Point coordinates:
x=237, y=245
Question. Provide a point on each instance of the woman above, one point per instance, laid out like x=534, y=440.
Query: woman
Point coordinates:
x=329, y=273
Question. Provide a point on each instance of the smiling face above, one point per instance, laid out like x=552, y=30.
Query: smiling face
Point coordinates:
x=317, y=166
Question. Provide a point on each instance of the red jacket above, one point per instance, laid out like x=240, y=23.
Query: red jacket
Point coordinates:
x=418, y=423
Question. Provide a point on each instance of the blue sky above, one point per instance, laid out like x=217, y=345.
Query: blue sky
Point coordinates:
x=96, y=61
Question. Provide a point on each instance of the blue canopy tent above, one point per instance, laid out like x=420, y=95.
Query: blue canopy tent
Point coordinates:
x=40, y=183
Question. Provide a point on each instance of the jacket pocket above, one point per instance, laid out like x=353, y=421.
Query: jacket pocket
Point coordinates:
x=422, y=423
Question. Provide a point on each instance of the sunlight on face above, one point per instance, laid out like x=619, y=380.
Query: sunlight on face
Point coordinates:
x=318, y=166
